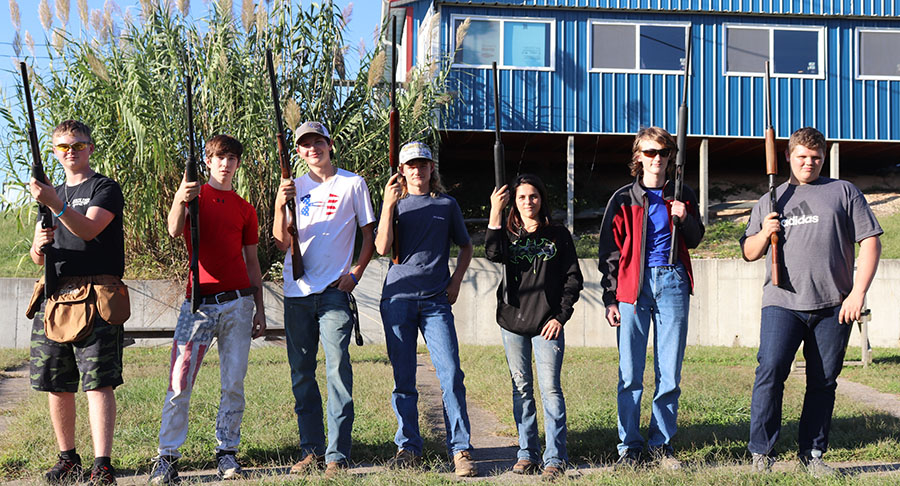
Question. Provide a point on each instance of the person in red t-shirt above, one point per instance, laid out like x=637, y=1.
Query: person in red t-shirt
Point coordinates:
x=230, y=285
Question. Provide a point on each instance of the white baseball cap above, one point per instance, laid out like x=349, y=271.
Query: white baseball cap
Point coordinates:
x=415, y=150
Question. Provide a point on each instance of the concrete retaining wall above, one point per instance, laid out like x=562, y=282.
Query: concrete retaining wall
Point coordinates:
x=724, y=311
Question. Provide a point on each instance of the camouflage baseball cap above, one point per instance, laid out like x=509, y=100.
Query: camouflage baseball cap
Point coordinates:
x=413, y=151
x=308, y=128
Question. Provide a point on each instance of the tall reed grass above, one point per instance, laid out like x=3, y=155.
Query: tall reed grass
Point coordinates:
x=125, y=77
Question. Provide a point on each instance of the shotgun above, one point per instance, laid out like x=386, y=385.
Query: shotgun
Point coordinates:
x=500, y=172
x=772, y=171
x=190, y=175
x=284, y=160
x=394, y=135
x=681, y=143
x=45, y=216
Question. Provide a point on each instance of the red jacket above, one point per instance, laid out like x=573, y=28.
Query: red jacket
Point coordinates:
x=622, y=249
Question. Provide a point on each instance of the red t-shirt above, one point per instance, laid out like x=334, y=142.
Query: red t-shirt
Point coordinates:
x=227, y=224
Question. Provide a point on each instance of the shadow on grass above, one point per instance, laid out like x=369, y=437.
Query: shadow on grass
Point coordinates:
x=877, y=468
x=706, y=444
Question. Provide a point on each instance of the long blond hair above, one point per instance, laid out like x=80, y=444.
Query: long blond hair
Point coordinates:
x=435, y=187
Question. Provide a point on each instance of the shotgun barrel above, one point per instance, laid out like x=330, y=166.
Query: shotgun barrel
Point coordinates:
x=772, y=171
x=45, y=216
x=394, y=136
x=681, y=143
x=191, y=175
x=500, y=173
x=284, y=160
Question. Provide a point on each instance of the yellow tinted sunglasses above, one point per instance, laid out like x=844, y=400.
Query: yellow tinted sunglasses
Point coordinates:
x=77, y=146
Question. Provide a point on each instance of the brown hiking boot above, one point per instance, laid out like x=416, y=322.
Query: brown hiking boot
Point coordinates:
x=333, y=469
x=465, y=466
x=524, y=466
x=552, y=473
x=311, y=462
x=404, y=459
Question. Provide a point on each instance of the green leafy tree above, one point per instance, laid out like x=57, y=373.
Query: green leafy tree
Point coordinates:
x=128, y=83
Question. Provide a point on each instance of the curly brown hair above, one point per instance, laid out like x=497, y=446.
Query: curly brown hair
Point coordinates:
x=660, y=136
x=810, y=138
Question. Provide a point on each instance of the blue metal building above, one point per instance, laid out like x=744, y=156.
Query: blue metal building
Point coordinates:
x=612, y=66
x=578, y=78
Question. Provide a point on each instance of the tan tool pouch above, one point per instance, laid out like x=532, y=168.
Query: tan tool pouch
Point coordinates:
x=113, y=303
x=69, y=313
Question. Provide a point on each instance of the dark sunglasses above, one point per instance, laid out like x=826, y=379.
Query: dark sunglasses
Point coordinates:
x=652, y=153
x=77, y=146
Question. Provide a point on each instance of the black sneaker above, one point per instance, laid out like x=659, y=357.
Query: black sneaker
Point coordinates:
x=164, y=471
x=664, y=457
x=227, y=467
x=102, y=475
x=629, y=459
x=66, y=471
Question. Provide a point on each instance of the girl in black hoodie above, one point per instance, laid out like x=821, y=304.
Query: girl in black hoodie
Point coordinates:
x=543, y=281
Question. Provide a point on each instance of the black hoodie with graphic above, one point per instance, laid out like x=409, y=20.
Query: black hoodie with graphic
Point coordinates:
x=544, y=277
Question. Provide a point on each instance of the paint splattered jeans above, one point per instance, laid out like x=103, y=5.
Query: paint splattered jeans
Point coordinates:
x=548, y=357
x=231, y=323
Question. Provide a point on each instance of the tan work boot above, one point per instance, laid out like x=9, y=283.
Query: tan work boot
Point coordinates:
x=311, y=462
x=465, y=466
x=333, y=469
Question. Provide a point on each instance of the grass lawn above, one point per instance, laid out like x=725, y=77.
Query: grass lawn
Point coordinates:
x=12, y=358
x=883, y=374
x=714, y=413
x=15, y=240
x=714, y=418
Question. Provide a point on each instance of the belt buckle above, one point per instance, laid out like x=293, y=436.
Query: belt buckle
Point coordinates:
x=216, y=297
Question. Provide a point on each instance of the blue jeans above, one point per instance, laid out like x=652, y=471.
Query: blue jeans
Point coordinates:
x=402, y=320
x=548, y=357
x=664, y=300
x=324, y=316
x=824, y=343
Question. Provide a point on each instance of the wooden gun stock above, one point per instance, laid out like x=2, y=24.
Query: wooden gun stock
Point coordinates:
x=772, y=171
x=284, y=161
x=191, y=175
x=45, y=216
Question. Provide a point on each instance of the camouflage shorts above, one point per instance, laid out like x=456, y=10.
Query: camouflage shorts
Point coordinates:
x=96, y=359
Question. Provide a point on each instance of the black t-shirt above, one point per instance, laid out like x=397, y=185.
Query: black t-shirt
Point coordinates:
x=105, y=254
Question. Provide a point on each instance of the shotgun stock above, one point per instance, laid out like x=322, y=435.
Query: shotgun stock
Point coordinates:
x=681, y=142
x=191, y=175
x=284, y=160
x=500, y=172
x=772, y=171
x=394, y=135
x=45, y=216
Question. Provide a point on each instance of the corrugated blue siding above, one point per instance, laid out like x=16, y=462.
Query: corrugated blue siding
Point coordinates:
x=865, y=8
x=572, y=100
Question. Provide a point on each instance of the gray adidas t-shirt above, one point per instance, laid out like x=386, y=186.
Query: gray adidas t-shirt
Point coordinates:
x=821, y=222
x=427, y=226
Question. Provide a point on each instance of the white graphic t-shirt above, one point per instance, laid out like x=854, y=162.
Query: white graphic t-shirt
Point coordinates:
x=328, y=214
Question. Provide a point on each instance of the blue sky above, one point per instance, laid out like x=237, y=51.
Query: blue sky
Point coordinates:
x=363, y=23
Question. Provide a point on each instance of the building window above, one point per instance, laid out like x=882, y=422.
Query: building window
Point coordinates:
x=521, y=43
x=629, y=47
x=879, y=55
x=794, y=51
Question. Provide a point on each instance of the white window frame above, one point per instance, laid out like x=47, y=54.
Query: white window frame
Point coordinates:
x=637, y=45
x=858, y=57
x=501, y=64
x=820, y=60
